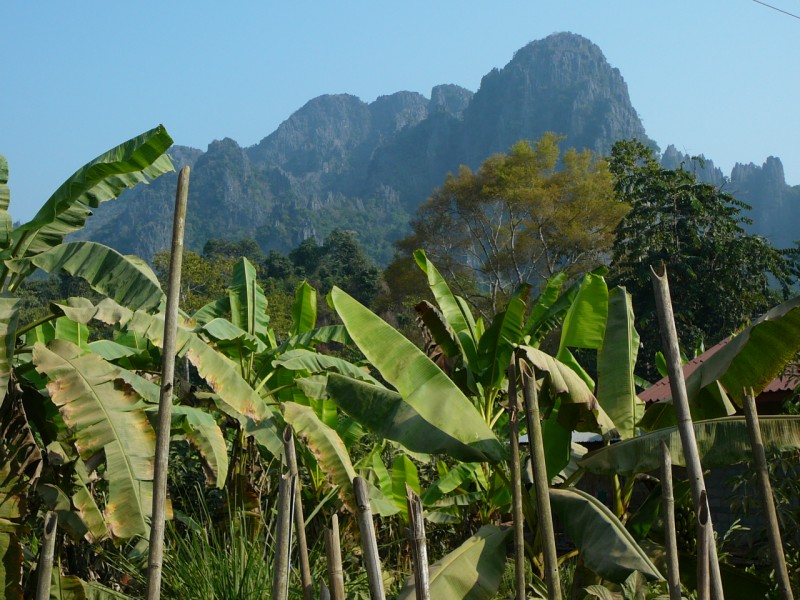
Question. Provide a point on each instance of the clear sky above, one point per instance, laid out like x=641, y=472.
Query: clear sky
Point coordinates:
x=718, y=77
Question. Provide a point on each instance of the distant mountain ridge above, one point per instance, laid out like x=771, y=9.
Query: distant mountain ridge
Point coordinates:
x=342, y=162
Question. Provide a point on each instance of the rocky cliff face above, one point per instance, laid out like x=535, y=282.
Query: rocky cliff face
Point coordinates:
x=776, y=206
x=342, y=162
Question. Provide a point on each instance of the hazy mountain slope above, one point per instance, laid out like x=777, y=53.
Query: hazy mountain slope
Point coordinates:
x=342, y=162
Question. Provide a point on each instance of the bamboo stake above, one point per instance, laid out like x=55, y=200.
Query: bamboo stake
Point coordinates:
x=680, y=400
x=770, y=515
x=516, y=484
x=156, y=551
x=283, y=537
x=419, y=549
x=299, y=519
x=545, y=516
x=334, y=553
x=44, y=571
x=369, y=543
x=705, y=540
x=670, y=537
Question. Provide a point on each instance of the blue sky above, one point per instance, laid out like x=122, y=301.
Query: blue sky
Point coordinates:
x=717, y=77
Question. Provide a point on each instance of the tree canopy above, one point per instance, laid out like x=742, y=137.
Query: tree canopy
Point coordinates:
x=519, y=219
x=720, y=276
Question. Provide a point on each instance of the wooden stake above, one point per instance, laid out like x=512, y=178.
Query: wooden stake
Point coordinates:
x=680, y=400
x=369, y=543
x=516, y=484
x=283, y=537
x=334, y=553
x=44, y=571
x=419, y=548
x=670, y=537
x=765, y=487
x=540, y=481
x=156, y=551
x=299, y=519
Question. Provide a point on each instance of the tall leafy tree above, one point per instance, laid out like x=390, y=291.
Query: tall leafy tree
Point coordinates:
x=720, y=275
x=521, y=218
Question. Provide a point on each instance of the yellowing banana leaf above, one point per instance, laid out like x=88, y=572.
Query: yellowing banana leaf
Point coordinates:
x=605, y=546
x=329, y=451
x=470, y=572
x=125, y=279
x=579, y=409
x=104, y=417
x=422, y=385
x=136, y=161
x=720, y=442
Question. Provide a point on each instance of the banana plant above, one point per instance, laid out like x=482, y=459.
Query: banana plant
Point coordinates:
x=423, y=410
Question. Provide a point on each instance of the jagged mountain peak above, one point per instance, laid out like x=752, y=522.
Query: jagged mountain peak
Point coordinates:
x=341, y=162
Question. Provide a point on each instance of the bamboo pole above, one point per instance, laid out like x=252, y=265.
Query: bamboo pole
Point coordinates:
x=334, y=553
x=369, y=543
x=299, y=520
x=283, y=537
x=516, y=484
x=770, y=515
x=419, y=549
x=44, y=571
x=680, y=400
x=705, y=540
x=541, y=484
x=670, y=537
x=155, y=558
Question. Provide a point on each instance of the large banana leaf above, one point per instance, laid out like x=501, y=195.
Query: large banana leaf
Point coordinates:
x=304, y=310
x=248, y=302
x=497, y=345
x=585, y=321
x=720, y=442
x=136, y=161
x=9, y=314
x=470, y=572
x=605, y=546
x=419, y=381
x=104, y=418
x=387, y=414
x=404, y=473
x=10, y=564
x=313, y=362
x=454, y=312
x=616, y=390
x=127, y=280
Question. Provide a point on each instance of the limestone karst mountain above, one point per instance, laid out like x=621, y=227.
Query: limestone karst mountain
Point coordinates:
x=342, y=162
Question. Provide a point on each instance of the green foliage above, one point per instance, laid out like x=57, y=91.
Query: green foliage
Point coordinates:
x=720, y=275
x=519, y=219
